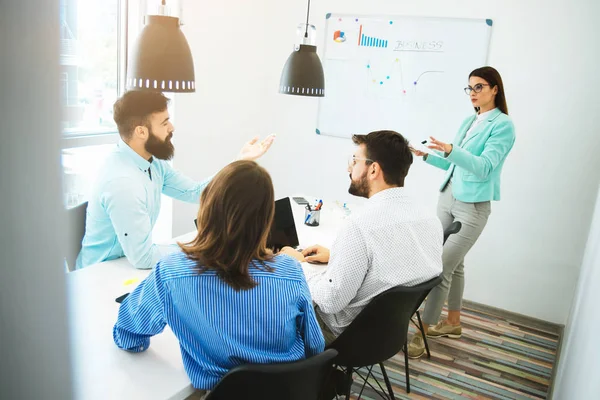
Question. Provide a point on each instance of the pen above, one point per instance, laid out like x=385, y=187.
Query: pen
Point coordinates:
x=307, y=218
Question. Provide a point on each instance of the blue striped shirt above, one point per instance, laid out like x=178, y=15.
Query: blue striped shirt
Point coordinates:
x=217, y=327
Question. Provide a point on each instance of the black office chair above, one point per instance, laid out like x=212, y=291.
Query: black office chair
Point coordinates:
x=452, y=229
x=300, y=380
x=378, y=333
x=75, y=231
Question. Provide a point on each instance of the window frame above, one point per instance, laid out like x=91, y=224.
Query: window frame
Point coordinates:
x=130, y=14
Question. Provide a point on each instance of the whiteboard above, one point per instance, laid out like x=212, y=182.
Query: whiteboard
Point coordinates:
x=406, y=74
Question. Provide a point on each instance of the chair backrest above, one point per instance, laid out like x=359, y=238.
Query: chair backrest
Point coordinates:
x=300, y=380
x=452, y=229
x=427, y=286
x=380, y=330
x=75, y=231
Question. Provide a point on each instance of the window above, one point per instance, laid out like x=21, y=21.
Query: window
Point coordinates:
x=92, y=62
x=90, y=57
x=80, y=166
x=95, y=36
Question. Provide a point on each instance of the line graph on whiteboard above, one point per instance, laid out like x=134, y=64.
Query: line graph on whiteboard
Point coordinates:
x=396, y=72
x=394, y=75
x=396, y=63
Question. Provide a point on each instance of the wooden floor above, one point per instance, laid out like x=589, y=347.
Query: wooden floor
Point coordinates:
x=498, y=357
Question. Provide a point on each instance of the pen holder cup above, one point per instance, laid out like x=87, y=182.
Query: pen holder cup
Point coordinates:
x=312, y=218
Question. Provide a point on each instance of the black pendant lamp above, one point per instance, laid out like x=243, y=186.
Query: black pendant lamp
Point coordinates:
x=303, y=73
x=161, y=58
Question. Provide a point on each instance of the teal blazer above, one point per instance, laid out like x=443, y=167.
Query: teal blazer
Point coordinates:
x=476, y=165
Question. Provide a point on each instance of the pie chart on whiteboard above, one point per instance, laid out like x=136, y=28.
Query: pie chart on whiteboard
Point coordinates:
x=339, y=36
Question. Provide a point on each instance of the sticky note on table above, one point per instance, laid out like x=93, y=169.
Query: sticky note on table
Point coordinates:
x=131, y=281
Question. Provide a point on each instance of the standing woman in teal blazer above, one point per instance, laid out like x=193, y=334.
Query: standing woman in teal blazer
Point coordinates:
x=473, y=164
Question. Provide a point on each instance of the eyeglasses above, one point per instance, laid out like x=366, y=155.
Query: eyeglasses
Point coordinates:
x=352, y=161
x=477, y=88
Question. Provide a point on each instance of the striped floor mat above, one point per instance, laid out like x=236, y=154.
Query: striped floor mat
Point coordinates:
x=495, y=359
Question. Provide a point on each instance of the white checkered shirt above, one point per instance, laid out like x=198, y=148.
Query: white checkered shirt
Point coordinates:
x=391, y=242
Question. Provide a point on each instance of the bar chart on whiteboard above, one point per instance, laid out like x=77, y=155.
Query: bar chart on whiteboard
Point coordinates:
x=400, y=73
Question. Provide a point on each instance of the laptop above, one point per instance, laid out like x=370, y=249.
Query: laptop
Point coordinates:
x=283, y=231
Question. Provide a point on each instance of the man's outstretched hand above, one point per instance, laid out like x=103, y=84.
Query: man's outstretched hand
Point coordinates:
x=255, y=149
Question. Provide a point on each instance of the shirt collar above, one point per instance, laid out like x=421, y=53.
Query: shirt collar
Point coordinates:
x=138, y=160
x=490, y=115
x=386, y=194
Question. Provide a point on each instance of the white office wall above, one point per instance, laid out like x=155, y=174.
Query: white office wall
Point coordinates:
x=528, y=258
x=579, y=365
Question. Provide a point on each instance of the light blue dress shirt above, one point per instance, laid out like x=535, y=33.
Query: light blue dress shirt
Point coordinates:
x=124, y=205
x=219, y=328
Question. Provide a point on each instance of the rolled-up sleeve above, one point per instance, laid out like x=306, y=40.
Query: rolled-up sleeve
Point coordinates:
x=181, y=187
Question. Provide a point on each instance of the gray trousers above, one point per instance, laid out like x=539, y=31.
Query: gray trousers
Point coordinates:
x=327, y=334
x=473, y=217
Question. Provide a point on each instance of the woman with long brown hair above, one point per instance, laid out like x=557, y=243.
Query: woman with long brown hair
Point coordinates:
x=473, y=163
x=227, y=298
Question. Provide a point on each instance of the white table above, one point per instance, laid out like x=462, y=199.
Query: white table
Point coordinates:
x=324, y=234
x=101, y=370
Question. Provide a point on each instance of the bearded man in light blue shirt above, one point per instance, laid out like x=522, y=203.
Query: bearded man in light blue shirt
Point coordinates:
x=125, y=202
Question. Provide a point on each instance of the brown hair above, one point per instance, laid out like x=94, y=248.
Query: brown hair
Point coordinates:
x=493, y=78
x=135, y=107
x=390, y=150
x=234, y=220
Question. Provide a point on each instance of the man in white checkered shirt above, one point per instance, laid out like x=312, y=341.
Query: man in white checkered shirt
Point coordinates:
x=391, y=242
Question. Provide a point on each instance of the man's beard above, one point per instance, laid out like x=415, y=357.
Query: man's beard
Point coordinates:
x=163, y=150
x=360, y=187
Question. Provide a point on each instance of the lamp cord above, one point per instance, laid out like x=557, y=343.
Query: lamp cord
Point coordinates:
x=307, y=14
